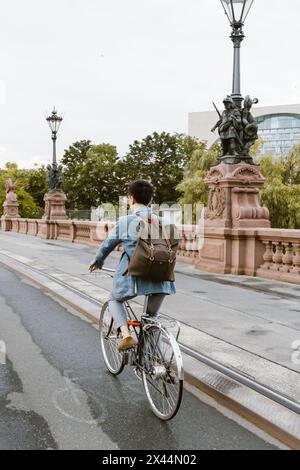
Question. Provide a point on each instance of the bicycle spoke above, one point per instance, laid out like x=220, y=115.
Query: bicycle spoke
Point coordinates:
x=171, y=397
x=152, y=383
x=113, y=354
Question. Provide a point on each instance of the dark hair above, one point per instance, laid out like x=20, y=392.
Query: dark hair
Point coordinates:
x=142, y=191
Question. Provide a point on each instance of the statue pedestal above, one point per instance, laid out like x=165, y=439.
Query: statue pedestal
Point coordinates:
x=234, y=199
x=55, y=206
x=234, y=212
x=11, y=211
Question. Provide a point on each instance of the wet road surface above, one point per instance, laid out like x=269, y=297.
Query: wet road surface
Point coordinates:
x=55, y=392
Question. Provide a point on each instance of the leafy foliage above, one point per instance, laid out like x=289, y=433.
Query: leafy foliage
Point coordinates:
x=37, y=184
x=90, y=174
x=159, y=158
x=193, y=187
x=281, y=192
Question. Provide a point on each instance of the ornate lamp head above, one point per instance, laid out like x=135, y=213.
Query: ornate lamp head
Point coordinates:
x=237, y=10
x=54, y=121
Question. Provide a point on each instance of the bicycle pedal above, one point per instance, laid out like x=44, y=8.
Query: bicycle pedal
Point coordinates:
x=128, y=356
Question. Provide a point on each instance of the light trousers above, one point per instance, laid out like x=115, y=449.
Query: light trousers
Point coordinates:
x=118, y=311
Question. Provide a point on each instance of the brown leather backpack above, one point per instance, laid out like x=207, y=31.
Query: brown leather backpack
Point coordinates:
x=154, y=257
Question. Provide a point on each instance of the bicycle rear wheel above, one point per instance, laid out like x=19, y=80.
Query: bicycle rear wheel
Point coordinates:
x=162, y=372
x=109, y=338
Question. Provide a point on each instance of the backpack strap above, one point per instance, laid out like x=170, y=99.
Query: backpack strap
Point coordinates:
x=125, y=252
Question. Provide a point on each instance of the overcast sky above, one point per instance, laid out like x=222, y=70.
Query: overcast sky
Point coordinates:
x=120, y=69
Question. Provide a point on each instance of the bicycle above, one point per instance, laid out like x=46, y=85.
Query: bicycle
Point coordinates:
x=157, y=359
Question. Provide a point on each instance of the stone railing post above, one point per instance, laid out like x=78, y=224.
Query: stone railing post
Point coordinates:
x=268, y=255
x=296, y=259
x=16, y=223
x=287, y=258
x=73, y=231
x=277, y=257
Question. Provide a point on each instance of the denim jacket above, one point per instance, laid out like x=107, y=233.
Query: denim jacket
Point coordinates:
x=125, y=232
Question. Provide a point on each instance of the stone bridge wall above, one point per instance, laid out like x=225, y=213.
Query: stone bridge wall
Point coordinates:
x=264, y=252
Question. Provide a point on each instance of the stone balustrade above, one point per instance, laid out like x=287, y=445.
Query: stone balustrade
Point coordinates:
x=264, y=252
x=281, y=258
x=74, y=231
x=188, y=250
x=93, y=233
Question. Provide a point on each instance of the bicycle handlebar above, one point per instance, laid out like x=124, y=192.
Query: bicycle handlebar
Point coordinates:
x=108, y=270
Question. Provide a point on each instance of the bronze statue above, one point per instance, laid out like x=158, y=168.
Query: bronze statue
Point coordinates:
x=230, y=128
x=249, y=125
x=55, y=177
x=237, y=129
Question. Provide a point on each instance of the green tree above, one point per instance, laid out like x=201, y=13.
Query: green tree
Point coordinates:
x=27, y=206
x=159, y=158
x=73, y=161
x=193, y=188
x=90, y=174
x=281, y=192
x=37, y=184
x=292, y=166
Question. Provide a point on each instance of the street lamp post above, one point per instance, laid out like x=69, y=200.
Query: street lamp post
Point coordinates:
x=54, y=122
x=237, y=12
x=234, y=181
x=55, y=199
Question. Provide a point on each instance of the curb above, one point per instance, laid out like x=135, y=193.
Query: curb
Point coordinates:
x=271, y=417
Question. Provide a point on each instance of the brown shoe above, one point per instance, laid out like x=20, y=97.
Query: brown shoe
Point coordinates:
x=126, y=343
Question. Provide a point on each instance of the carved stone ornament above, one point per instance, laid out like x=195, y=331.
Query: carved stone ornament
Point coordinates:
x=214, y=176
x=216, y=203
x=247, y=174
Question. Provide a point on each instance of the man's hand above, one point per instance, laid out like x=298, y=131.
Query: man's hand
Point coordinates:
x=92, y=267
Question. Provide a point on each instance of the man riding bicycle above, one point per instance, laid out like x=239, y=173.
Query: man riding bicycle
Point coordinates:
x=126, y=286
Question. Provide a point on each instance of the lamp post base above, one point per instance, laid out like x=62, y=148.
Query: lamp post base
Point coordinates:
x=55, y=206
x=236, y=159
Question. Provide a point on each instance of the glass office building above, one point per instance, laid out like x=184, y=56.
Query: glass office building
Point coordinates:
x=279, y=132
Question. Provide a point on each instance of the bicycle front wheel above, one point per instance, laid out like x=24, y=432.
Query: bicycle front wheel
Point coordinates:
x=109, y=338
x=162, y=372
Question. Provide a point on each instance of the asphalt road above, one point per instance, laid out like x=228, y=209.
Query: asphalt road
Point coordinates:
x=56, y=394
